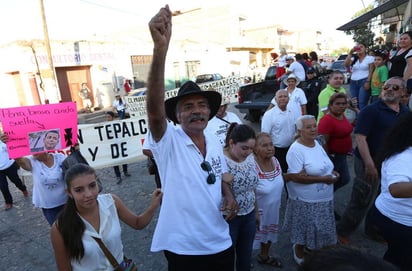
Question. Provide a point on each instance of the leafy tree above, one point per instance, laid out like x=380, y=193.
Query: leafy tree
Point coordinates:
x=363, y=32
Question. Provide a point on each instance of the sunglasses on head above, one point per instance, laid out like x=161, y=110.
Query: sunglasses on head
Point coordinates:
x=211, y=178
x=392, y=86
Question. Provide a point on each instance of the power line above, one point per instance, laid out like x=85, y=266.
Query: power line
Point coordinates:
x=110, y=7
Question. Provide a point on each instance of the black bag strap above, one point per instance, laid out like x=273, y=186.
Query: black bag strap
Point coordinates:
x=223, y=120
x=108, y=254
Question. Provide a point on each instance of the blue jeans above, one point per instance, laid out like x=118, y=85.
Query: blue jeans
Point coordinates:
x=340, y=164
x=357, y=90
x=121, y=114
x=242, y=231
x=363, y=195
x=51, y=213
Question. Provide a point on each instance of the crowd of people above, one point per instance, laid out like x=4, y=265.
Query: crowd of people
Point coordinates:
x=314, y=168
x=222, y=183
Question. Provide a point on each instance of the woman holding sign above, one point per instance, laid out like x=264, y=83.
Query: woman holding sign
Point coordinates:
x=48, y=185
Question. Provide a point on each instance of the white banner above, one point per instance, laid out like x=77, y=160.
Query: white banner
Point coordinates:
x=113, y=143
x=227, y=87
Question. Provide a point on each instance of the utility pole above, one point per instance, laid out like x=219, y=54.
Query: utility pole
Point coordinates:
x=48, y=50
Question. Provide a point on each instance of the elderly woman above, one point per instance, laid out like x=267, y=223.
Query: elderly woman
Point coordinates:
x=268, y=196
x=337, y=132
x=309, y=212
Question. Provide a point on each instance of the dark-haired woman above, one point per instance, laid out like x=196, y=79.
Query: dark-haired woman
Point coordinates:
x=48, y=185
x=88, y=214
x=240, y=142
x=401, y=62
x=120, y=106
x=392, y=211
x=362, y=68
x=337, y=131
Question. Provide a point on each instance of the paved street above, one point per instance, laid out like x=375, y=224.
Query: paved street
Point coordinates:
x=24, y=232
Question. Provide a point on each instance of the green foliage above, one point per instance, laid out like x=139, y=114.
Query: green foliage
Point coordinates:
x=362, y=33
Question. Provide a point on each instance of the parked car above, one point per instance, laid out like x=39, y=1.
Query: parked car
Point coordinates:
x=203, y=78
x=137, y=92
x=342, y=57
x=340, y=66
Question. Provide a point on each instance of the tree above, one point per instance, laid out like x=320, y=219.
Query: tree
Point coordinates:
x=363, y=32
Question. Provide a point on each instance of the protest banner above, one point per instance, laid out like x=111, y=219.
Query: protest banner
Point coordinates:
x=112, y=143
x=227, y=87
x=39, y=128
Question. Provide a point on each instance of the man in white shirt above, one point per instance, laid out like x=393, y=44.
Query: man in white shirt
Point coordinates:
x=219, y=124
x=279, y=122
x=191, y=229
x=293, y=67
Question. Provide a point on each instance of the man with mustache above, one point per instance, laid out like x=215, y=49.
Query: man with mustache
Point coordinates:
x=191, y=230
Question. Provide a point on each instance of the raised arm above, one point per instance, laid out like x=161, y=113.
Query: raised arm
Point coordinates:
x=161, y=30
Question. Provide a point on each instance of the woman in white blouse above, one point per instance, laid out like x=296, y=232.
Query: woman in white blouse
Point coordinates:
x=88, y=216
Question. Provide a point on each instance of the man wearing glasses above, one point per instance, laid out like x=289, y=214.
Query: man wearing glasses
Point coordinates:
x=374, y=121
x=191, y=229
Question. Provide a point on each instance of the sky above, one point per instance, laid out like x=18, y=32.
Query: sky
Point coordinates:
x=84, y=19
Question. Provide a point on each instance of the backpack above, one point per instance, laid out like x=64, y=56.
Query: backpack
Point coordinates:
x=76, y=157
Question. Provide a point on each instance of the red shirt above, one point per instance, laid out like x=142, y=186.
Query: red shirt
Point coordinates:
x=340, y=134
x=127, y=87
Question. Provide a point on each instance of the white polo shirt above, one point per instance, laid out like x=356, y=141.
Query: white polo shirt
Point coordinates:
x=280, y=125
x=218, y=127
x=190, y=221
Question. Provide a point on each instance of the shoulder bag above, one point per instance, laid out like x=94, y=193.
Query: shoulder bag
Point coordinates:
x=129, y=264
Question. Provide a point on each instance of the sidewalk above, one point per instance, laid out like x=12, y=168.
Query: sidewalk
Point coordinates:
x=25, y=241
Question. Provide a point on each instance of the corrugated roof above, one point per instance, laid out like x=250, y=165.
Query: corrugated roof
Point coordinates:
x=393, y=6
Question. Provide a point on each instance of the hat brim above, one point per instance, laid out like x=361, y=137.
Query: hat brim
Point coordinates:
x=285, y=81
x=214, y=99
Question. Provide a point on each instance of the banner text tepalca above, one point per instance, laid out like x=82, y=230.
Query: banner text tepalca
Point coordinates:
x=113, y=143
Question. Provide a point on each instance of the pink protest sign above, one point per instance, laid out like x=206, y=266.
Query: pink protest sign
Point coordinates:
x=39, y=128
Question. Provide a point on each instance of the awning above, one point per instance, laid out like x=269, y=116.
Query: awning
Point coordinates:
x=392, y=6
